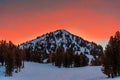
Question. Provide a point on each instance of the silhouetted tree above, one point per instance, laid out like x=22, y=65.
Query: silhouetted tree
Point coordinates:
x=11, y=55
x=3, y=45
x=111, y=57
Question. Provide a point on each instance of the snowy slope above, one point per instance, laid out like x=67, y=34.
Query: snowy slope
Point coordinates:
x=36, y=71
x=50, y=42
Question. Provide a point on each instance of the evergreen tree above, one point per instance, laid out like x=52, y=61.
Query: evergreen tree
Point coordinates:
x=28, y=53
x=58, y=57
x=18, y=59
x=3, y=45
x=83, y=60
x=76, y=60
x=10, y=59
x=68, y=58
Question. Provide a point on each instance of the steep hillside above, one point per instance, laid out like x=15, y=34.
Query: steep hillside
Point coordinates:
x=51, y=42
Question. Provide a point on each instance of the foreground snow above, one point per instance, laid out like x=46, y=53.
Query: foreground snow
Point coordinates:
x=36, y=71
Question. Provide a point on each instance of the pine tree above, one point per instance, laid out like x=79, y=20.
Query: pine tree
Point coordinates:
x=10, y=59
x=18, y=59
x=3, y=45
x=76, y=60
x=28, y=53
x=58, y=56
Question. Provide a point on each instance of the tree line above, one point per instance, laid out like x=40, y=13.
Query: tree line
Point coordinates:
x=61, y=58
x=11, y=57
x=111, y=57
x=68, y=59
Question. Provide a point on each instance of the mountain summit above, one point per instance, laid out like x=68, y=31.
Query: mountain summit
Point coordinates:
x=51, y=42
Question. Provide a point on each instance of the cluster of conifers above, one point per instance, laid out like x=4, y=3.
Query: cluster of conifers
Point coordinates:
x=68, y=59
x=111, y=57
x=61, y=58
x=11, y=57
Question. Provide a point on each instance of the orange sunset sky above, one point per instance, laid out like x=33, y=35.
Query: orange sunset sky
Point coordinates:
x=94, y=20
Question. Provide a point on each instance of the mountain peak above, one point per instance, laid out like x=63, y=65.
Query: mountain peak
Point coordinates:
x=51, y=42
x=61, y=30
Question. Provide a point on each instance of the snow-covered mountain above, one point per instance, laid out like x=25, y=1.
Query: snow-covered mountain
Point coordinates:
x=50, y=42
